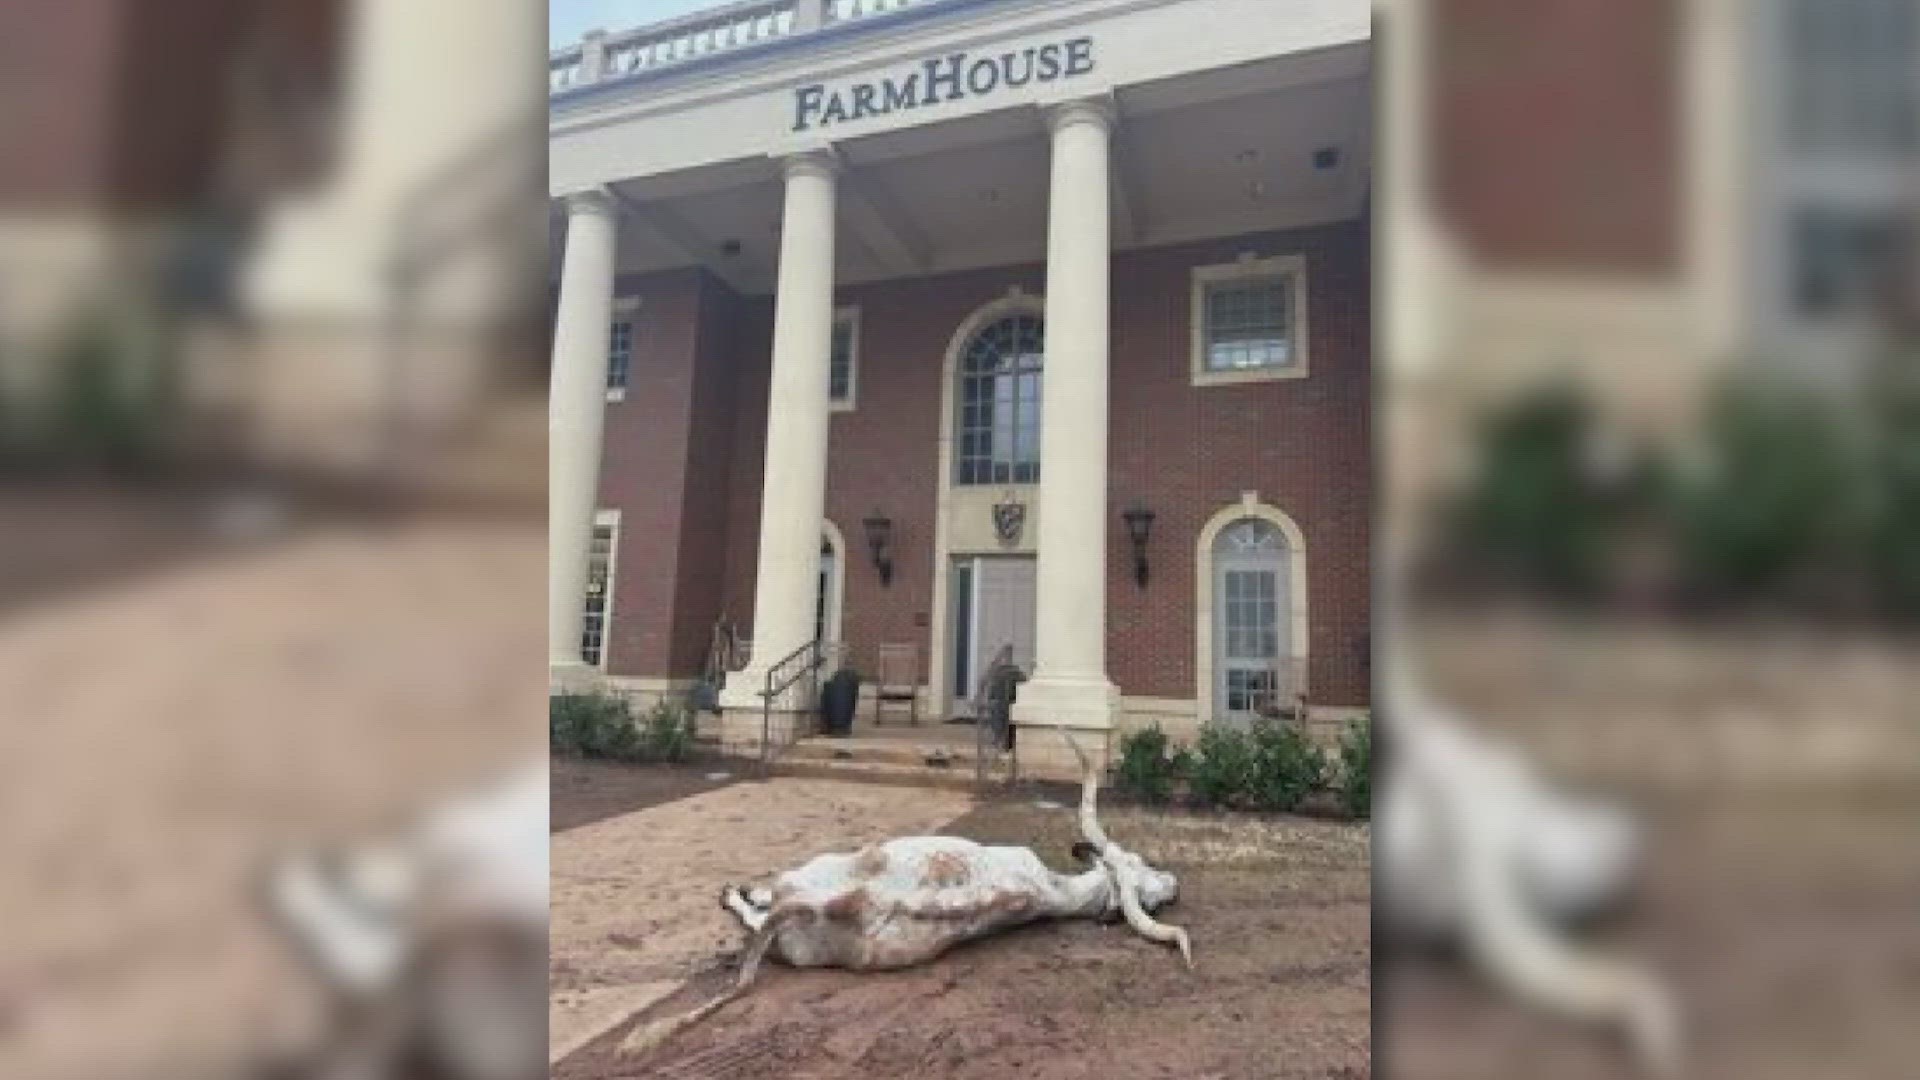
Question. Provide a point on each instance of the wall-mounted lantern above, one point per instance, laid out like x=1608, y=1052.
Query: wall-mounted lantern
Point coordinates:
x=880, y=544
x=1139, y=521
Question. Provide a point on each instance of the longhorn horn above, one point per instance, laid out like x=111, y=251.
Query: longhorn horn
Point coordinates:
x=1089, y=795
x=1115, y=859
x=1146, y=925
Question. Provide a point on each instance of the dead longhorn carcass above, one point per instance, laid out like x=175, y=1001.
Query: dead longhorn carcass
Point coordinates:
x=1472, y=846
x=430, y=944
x=906, y=901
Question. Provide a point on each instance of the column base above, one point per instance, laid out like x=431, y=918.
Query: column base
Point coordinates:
x=742, y=726
x=1086, y=708
x=741, y=731
x=574, y=677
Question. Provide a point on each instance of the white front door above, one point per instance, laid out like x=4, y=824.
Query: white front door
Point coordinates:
x=993, y=610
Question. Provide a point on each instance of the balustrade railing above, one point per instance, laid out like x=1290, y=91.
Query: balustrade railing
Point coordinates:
x=600, y=56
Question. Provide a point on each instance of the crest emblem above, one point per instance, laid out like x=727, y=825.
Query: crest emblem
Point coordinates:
x=1009, y=518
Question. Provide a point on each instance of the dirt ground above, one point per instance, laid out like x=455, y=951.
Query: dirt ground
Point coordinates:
x=179, y=711
x=1791, y=935
x=1778, y=769
x=1278, y=909
x=588, y=791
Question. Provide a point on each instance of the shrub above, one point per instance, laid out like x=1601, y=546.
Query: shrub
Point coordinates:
x=1222, y=768
x=667, y=733
x=1287, y=767
x=1534, y=514
x=592, y=725
x=1894, y=476
x=1149, y=765
x=600, y=725
x=1264, y=767
x=1356, y=769
x=1775, y=495
x=115, y=393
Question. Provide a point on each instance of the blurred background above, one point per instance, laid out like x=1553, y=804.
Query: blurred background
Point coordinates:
x=1652, y=415
x=272, y=485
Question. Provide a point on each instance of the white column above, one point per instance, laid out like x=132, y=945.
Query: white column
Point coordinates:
x=576, y=406
x=1418, y=258
x=1069, y=685
x=793, y=494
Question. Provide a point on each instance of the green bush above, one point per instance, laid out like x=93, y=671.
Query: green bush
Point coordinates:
x=1287, y=767
x=667, y=733
x=1534, y=515
x=1149, y=765
x=1356, y=769
x=1263, y=767
x=599, y=725
x=592, y=725
x=115, y=393
x=1776, y=495
x=1893, y=465
x=1222, y=767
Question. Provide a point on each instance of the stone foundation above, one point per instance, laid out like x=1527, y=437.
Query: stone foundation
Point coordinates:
x=741, y=730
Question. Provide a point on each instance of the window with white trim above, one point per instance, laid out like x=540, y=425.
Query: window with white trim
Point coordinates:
x=1850, y=83
x=599, y=599
x=619, y=354
x=620, y=335
x=843, y=361
x=1846, y=260
x=1843, y=149
x=1249, y=320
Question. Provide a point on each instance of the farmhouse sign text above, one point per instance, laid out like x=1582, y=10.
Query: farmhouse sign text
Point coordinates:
x=942, y=78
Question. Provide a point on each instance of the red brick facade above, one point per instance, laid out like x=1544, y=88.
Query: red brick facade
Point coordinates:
x=684, y=457
x=1557, y=130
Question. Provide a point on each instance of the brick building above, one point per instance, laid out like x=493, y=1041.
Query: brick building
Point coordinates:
x=1645, y=191
x=963, y=330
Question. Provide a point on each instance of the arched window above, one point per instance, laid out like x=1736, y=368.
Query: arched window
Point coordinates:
x=999, y=401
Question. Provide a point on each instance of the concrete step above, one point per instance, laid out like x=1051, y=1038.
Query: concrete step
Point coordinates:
x=900, y=750
x=954, y=778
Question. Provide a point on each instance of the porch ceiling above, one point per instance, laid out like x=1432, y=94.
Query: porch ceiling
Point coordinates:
x=1219, y=153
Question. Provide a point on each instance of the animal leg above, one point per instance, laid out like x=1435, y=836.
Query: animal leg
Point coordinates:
x=750, y=915
x=757, y=947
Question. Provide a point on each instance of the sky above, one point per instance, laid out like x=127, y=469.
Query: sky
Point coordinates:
x=568, y=19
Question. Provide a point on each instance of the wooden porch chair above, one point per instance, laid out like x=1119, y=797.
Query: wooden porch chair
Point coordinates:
x=897, y=681
x=1286, y=697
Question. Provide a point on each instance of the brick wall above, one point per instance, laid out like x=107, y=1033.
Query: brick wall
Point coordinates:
x=1185, y=451
x=667, y=474
x=1557, y=126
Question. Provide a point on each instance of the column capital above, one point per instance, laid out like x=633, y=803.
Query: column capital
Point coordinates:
x=823, y=161
x=595, y=200
x=1098, y=110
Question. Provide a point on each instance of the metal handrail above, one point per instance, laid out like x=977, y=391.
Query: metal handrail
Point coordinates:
x=805, y=661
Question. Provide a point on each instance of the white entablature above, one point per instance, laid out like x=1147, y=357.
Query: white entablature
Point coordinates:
x=740, y=102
